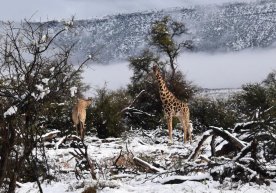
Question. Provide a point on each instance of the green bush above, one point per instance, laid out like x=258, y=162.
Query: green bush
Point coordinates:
x=256, y=104
x=108, y=115
x=258, y=99
x=207, y=112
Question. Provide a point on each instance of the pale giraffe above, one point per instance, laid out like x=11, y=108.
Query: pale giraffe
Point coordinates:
x=79, y=115
x=173, y=107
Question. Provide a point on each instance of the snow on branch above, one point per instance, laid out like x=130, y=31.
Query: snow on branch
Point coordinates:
x=12, y=110
x=181, y=179
x=205, y=136
x=137, y=111
x=61, y=140
x=129, y=107
x=243, y=152
x=50, y=135
x=73, y=91
x=229, y=137
x=252, y=172
x=146, y=165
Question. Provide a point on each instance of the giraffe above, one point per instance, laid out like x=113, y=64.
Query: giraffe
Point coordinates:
x=173, y=107
x=79, y=115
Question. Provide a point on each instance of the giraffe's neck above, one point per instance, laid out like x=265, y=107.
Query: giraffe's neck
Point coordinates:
x=163, y=90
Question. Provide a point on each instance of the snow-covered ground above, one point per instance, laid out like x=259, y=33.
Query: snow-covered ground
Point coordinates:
x=146, y=146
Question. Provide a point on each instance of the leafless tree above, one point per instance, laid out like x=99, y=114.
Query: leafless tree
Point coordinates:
x=34, y=74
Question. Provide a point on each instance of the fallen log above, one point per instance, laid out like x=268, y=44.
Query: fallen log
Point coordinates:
x=63, y=139
x=146, y=165
x=205, y=136
x=181, y=179
x=229, y=137
x=49, y=136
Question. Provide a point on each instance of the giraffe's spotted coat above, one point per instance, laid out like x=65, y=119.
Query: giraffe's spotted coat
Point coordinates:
x=173, y=107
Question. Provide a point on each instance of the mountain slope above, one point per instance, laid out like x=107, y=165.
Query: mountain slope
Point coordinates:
x=224, y=27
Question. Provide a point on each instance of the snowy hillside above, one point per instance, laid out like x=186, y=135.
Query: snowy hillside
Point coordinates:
x=224, y=27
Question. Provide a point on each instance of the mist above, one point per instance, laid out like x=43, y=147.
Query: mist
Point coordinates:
x=218, y=70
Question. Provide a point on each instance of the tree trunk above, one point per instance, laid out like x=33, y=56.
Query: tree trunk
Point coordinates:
x=7, y=144
x=213, y=145
x=12, y=184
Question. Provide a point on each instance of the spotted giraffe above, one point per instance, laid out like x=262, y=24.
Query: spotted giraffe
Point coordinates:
x=173, y=107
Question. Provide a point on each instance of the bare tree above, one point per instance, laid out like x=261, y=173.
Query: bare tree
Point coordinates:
x=34, y=74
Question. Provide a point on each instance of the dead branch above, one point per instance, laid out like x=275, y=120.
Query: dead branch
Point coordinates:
x=243, y=152
x=229, y=137
x=80, y=156
x=132, y=103
x=200, y=143
x=181, y=179
x=49, y=136
x=63, y=139
x=213, y=145
x=146, y=165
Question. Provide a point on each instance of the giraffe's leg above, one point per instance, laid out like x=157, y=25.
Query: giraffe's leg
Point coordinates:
x=187, y=133
x=169, y=123
x=190, y=132
x=184, y=126
x=188, y=126
x=78, y=129
x=82, y=130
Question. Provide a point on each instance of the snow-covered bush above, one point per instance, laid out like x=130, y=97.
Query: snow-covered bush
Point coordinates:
x=256, y=104
x=36, y=77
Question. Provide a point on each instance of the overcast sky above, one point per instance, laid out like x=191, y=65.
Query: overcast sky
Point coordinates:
x=43, y=10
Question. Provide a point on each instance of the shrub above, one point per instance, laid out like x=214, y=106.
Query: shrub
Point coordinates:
x=207, y=112
x=108, y=118
x=256, y=104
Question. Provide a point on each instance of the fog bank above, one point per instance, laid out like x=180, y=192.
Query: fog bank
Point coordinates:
x=219, y=70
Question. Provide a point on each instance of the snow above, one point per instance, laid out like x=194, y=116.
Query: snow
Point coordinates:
x=12, y=110
x=73, y=90
x=50, y=133
x=59, y=142
x=208, y=186
x=104, y=152
x=150, y=166
x=52, y=69
x=45, y=80
x=44, y=38
x=42, y=91
x=244, y=124
x=242, y=143
x=186, y=178
x=39, y=87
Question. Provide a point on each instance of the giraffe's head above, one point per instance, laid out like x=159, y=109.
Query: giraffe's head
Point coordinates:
x=155, y=68
x=85, y=102
x=89, y=101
